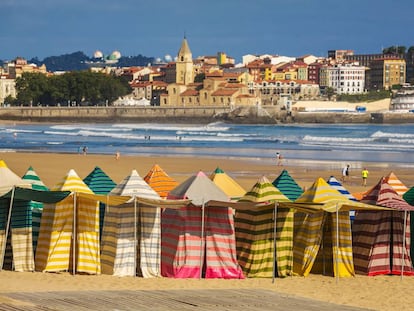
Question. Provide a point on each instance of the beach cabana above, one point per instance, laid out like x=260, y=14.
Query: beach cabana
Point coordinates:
x=396, y=183
x=100, y=183
x=334, y=183
x=198, y=241
x=255, y=233
x=15, y=228
x=131, y=234
x=36, y=207
x=288, y=186
x=160, y=181
x=229, y=186
x=323, y=241
x=381, y=240
x=69, y=231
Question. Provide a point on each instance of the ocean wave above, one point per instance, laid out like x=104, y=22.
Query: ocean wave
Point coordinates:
x=392, y=135
x=171, y=127
x=330, y=139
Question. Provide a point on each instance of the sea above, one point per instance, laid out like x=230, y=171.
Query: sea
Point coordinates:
x=301, y=144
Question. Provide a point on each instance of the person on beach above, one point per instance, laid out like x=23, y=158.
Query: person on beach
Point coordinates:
x=345, y=173
x=364, y=176
x=117, y=155
x=279, y=159
x=85, y=150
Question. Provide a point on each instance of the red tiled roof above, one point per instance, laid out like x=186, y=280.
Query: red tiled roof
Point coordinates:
x=224, y=92
x=190, y=93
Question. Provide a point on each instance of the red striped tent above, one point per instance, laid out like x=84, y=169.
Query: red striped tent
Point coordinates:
x=160, y=181
x=196, y=240
x=382, y=238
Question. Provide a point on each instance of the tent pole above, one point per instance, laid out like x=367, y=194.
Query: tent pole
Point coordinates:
x=337, y=244
x=201, y=241
x=135, y=236
x=3, y=251
x=74, y=236
x=274, y=241
x=403, y=250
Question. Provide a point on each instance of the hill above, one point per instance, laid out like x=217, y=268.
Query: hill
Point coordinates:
x=79, y=61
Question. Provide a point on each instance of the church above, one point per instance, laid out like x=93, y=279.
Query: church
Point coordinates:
x=218, y=88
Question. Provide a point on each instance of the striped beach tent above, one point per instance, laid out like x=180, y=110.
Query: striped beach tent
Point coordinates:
x=131, y=233
x=288, y=186
x=160, y=181
x=255, y=230
x=316, y=248
x=381, y=240
x=229, y=186
x=72, y=216
x=16, y=234
x=100, y=183
x=334, y=183
x=197, y=240
x=409, y=198
x=396, y=183
x=36, y=208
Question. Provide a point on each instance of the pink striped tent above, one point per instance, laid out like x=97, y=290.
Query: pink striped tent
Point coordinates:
x=198, y=241
x=381, y=239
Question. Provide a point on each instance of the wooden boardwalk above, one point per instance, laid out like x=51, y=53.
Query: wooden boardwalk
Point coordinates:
x=184, y=300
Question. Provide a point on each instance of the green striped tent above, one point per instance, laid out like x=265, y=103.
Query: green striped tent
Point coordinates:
x=36, y=207
x=255, y=233
x=288, y=186
x=100, y=183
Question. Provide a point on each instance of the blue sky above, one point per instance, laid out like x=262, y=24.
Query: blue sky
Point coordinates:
x=41, y=28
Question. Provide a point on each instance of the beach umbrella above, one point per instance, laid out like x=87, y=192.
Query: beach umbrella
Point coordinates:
x=264, y=236
x=395, y=183
x=100, y=183
x=198, y=240
x=382, y=239
x=73, y=224
x=160, y=181
x=287, y=185
x=230, y=187
x=131, y=233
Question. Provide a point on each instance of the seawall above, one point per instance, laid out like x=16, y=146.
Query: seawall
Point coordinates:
x=245, y=115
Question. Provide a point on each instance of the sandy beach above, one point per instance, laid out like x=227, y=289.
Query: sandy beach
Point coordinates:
x=379, y=293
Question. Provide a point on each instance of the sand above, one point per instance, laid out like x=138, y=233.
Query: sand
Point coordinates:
x=380, y=293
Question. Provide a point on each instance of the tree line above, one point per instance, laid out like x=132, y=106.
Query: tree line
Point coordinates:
x=69, y=89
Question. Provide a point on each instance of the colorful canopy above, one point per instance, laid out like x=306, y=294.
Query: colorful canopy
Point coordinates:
x=229, y=186
x=128, y=223
x=288, y=186
x=197, y=240
x=57, y=228
x=160, y=181
x=334, y=183
x=322, y=229
x=382, y=239
x=395, y=183
x=8, y=179
x=255, y=230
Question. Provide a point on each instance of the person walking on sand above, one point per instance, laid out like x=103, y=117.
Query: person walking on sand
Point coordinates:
x=117, y=155
x=345, y=173
x=279, y=159
x=364, y=176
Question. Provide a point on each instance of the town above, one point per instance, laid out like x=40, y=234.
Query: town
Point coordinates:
x=265, y=80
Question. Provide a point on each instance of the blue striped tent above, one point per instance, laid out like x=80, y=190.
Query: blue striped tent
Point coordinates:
x=334, y=183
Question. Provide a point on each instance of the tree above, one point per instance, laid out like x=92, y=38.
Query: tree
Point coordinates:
x=330, y=92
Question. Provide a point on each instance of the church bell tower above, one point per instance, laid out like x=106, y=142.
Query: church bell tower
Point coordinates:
x=184, y=65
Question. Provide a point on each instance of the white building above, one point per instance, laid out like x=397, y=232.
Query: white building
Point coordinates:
x=7, y=88
x=346, y=79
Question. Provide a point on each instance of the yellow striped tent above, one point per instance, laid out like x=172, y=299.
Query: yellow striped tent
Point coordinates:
x=323, y=240
x=229, y=186
x=72, y=217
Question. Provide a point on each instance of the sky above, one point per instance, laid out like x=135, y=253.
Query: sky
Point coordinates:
x=42, y=28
